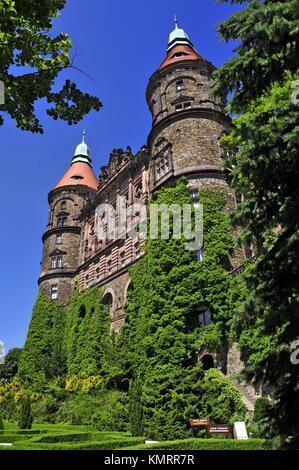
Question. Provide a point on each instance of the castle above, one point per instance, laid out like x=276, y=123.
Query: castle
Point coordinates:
x=184, y=141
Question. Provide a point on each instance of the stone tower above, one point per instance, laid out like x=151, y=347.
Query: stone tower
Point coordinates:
x=187, y=120
x=61, y=241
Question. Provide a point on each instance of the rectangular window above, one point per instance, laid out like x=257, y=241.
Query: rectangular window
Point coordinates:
x=61, y=221
x=204, y=318
x=199, y=254
x=58, y=239
x=178, y=107
x=54, y=292
x=187, y=105
x=109, y=267
x=137, y=250
x=63, y=205
x=122, y=259
x=195, y=198
x=56, y=262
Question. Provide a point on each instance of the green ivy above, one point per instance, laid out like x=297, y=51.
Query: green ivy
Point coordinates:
x=160, y=339
x=87, y=332
x=43, y=356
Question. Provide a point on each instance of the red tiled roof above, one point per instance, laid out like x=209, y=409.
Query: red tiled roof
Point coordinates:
x=188, y=53
x=78, y=173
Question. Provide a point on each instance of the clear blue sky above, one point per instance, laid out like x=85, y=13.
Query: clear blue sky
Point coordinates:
x=120, y=44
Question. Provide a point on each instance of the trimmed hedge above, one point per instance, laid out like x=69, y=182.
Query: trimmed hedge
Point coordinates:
x=65, y=437
x=92, y=445
x=205, y=444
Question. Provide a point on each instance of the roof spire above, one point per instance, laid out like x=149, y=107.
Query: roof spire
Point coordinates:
x=178, y=36
x=80, y=172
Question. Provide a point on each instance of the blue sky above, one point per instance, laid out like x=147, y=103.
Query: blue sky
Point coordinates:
x=120, y=44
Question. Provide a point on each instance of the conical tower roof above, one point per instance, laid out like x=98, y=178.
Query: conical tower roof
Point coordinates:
x=80, y=172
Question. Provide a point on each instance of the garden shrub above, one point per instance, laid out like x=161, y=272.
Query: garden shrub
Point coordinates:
x=206, y=444
x=25, y=421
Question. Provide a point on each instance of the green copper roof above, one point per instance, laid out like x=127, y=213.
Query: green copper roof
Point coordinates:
x=82, y=152
x=178, y=36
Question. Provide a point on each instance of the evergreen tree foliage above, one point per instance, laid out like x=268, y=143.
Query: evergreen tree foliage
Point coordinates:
x=264, y=78
x=25, y=420
x=221, y=401
x=136, y=407
x=1, y=425
x=9, y=369
x=87, y=332
x=262, y=406
x=43, y=356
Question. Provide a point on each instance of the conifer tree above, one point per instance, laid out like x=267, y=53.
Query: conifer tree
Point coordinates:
x=136, y=407
x=25, y=420
x=263, y=147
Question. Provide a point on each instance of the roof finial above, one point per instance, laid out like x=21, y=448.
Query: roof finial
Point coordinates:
x=176, y=22
x=84, y=132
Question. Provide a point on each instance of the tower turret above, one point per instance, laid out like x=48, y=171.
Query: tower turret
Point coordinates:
x=187, y=120
x=61, y=241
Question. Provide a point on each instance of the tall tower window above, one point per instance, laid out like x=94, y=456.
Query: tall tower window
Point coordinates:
x=58, y=239
x=122, y=259
x=199, y=254
x=204, y=317
x=180, y=85
x=54, y=292
x=109, y=267
x=56, y=262
x=195, y=197
x=163, y=162
x=62, y=221
x=137, y=250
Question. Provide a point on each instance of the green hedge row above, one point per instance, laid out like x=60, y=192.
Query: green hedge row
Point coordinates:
x=205, y=444
x=25, y=432
x=65, y=437
x=92, y=445
x=12, y=437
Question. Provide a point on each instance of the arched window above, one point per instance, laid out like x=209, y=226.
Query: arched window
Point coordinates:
x=108, y=300
x=207, y=362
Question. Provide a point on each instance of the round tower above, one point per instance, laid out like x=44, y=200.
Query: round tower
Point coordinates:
x=187, y=120
x=61, y=241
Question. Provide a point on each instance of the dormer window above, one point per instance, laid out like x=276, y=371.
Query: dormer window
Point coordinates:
x=179, y=54
x=77, y=177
